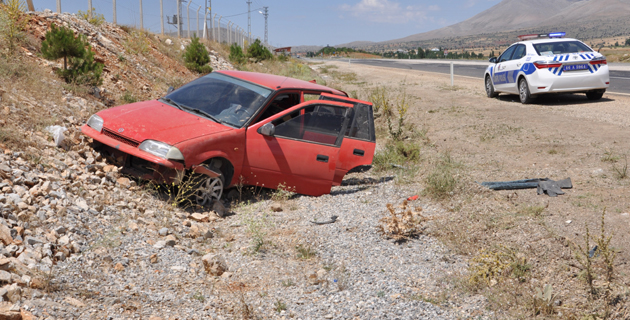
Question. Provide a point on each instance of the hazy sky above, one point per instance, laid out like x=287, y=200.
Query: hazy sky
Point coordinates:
x=298, y=22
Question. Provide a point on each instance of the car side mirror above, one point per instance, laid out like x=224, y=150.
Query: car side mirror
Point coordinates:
x=170, y=89
x=268, y=129
x=493, y=60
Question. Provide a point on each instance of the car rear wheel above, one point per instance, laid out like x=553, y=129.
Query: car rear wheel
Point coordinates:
x=595, y=95
x=523, y=91
x=209, y=189
x=490, y=88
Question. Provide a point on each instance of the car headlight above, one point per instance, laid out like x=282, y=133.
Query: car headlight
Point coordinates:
x=95, y=122
x=161, y=150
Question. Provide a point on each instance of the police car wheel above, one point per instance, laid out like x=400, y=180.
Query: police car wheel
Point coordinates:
x=523, y=92
x=594, y=95
x=490, y=88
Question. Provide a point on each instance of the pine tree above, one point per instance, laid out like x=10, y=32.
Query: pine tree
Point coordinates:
x=61, y=43
x=196, y=57
x=258, y=52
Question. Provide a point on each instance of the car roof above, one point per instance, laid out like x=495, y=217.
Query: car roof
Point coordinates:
x=279, y=82
x=533, y=41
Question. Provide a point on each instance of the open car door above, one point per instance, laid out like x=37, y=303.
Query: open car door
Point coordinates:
x=357, y=149
x=297, y=148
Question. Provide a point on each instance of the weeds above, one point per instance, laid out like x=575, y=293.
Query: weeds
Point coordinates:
x=198, y=296
x=544, y=300
x=256, y=229
x=280, y=306
x=92, y=17
x=622, y=172
x=12, y=22
x=402, y=225
x=442, y=180
x=397, y=154
x=128, y=97
x=282, y=193
x=137, y=42
x=287, y=283
x=489, y=267
x=305, y=252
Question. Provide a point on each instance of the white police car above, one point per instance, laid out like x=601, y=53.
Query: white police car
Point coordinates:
x=548, y=63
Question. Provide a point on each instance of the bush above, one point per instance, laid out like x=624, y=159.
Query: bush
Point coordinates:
x=196, y=57
x=12, y=22
x=61, y=43
x=258, y=52
x=97, y=19
x=236, y=54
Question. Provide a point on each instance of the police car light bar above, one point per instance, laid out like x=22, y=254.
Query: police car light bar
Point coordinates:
x=538, y=36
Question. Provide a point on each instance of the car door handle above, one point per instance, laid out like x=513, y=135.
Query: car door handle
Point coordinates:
x=322, y=158
x=358, y=152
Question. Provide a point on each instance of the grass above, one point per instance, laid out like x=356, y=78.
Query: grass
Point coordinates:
x=305, y=252
x=442, y=181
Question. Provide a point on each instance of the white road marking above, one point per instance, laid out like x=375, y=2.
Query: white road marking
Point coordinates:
x=620, y=78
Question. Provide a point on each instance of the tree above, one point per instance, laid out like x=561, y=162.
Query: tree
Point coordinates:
x=258, y=52
x=196, y=57
x=12, y=21
x=61, y=43
x=76, y=52
x=236, y=54
x=628, y=42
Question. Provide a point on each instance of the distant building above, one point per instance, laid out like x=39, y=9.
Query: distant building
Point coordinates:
x=283, y=50
x=435, y=49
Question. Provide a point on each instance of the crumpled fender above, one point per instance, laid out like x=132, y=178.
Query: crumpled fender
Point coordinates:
x=203, y=170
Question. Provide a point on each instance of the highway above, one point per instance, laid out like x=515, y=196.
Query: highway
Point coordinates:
x=619, y=72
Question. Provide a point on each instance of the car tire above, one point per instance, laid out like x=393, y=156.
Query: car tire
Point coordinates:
x=595, y=95
x=523, y=91
x=490, y=88
x=209, y=189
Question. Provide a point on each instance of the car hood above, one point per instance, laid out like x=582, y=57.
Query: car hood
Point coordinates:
x=157, y=121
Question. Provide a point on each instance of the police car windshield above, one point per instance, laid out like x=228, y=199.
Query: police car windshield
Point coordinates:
x=560, y=47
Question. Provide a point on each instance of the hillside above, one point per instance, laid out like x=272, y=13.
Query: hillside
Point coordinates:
x=584, y=19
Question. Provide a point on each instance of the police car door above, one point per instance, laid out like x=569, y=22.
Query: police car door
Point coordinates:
x=499, y=78
x=513, y=67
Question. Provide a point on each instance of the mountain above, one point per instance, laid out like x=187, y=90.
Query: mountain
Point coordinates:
x=591, y=17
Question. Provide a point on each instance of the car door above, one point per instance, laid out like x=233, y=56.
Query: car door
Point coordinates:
x=500, y=76
x=512, y=67
x=298, y=148
x=357, y=149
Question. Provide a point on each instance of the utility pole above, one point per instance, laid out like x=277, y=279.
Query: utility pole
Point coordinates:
x=179, y=30
x=30, y=5
x=214, y=36
x=188, y=16
x=90, y=9
x=219, y=27
x=266, y=14
x=208, y=13
x=162, y=17
x=204, y=32
x=249, y=18
x=58, y=6
x=141, y=22
x=114, y=1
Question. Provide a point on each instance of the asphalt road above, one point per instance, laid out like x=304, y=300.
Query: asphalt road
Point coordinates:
x=619, y=73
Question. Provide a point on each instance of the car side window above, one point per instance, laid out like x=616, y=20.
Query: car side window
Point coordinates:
x=280, y=103
x=507, y=54
x=519, y=52
x=318, y=124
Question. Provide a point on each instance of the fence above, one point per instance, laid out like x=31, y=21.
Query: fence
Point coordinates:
x=189, y=20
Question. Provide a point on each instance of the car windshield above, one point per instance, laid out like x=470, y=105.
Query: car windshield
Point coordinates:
x=223, y=98
x=560, y=47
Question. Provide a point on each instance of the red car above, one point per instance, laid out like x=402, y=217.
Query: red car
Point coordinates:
x=236, y=127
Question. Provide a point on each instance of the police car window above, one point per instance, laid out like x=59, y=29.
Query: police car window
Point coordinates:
x=561, y=47
x=507, y=54
x=519, y=52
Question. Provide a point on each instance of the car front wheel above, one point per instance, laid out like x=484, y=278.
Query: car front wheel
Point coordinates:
x=595, y=95
x=209, y=189
x=523, y=91
x=490, y=88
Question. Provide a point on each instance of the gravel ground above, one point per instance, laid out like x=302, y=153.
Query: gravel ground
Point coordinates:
x=354, y=273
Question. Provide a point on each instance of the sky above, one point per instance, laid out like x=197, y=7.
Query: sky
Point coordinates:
x=298, y=22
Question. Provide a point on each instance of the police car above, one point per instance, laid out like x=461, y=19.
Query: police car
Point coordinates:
x=547, y=63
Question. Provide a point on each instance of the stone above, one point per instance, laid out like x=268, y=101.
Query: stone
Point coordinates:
x=276, y=208
x=109, y=168
x=168, y=42
x=171, y=240
x=214, y=264
x=7, y=314
x=160, y=244
x=33, y=240
x=5, y=277
x=63, y=241
x=199, y=217
x=14, y=293
x=219, y=209
x=81, y=203
x=226, y=275
x=119, y=267
x=153, y=258
x=74, y=302
x=163, y=231
x=5, y=235
x=125, y=182
x=199, y=230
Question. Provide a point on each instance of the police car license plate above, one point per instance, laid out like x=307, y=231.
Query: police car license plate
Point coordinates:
x=573, y=67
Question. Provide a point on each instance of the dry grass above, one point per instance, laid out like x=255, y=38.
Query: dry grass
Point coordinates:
x=403, y=223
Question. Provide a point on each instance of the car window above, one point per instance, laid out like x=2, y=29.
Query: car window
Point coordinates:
x=560, y=47
x=281, y=102
x=519, y=52
x=318, y=124
x=230, y=100
x=311, y=96
x=507, y=54
x=360, y=126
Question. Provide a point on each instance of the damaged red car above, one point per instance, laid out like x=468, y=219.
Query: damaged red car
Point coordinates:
x=235, y=127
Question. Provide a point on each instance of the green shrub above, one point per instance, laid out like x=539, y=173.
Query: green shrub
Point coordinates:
x=196, y=57
x=97, y=19
x=12, y=22
x=258, y=52
x=283, y=58
x=61, y=43
x=236, y=54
